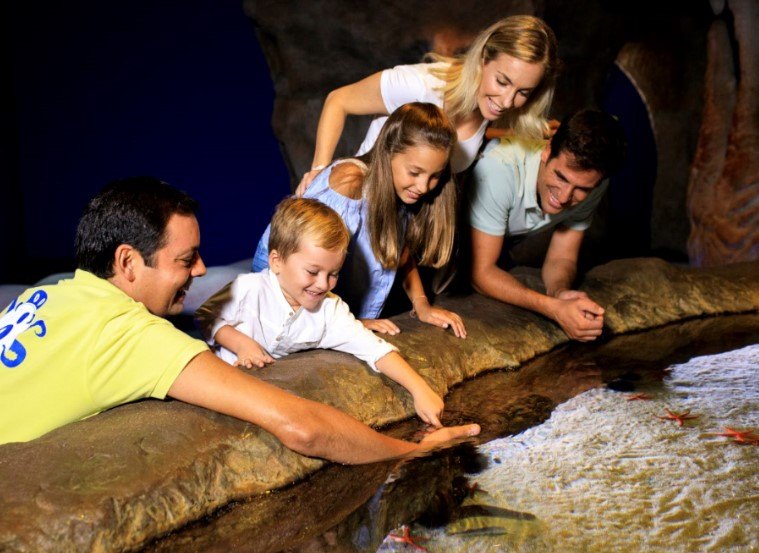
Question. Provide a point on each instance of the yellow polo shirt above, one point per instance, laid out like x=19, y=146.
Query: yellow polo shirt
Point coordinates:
x=73, y=349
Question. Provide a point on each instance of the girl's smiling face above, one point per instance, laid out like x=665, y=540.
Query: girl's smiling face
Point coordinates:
x=416, y=171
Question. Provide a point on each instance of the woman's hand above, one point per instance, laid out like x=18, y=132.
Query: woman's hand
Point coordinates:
x=438, y=316
x=307, y=179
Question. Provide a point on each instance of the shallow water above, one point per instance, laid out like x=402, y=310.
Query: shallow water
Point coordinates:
x=606, y=474
x=344, y=508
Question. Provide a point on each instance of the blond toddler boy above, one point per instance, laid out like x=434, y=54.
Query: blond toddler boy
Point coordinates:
x=289, y=307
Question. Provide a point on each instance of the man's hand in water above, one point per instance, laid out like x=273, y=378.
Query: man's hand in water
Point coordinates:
x=449, y=433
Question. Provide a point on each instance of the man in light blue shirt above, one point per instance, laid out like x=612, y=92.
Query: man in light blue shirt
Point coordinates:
x=520, y=189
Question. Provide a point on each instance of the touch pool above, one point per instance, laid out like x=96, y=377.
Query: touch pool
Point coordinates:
x=582, y=461
x=606, y=473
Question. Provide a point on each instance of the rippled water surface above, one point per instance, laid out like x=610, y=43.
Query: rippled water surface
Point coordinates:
x=606, y=474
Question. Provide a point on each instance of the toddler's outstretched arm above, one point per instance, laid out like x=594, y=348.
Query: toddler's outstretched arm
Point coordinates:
x=428, y=404
x=249, y=352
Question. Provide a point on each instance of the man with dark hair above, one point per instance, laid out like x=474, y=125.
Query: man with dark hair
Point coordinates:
x=73, y=349
x=520, y=189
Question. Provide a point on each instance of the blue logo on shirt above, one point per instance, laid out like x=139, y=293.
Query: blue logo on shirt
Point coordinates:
x=19, y=318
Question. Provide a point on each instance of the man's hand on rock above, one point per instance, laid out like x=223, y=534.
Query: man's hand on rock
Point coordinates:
x=580, y=317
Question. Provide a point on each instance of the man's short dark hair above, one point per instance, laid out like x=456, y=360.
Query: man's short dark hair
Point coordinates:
x=133, y=211
x=595, y=140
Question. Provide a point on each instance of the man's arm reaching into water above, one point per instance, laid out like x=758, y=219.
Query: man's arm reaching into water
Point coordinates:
x=305, y=426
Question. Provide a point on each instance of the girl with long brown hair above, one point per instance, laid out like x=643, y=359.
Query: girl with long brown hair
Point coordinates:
x=399, y=202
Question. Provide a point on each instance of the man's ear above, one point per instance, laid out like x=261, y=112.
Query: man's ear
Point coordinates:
x=275, y=262
x=126, y=259
x=546, y=153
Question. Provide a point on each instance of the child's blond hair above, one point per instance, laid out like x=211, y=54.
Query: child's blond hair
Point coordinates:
x=298, y=218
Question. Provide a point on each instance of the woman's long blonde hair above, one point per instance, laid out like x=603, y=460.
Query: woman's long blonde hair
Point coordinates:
x=429, y=223
x=524, y=37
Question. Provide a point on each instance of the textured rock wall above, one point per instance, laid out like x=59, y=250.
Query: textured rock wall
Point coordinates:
x=117, y=480
x=315, y=47
x=723, y=193
x=672, y=108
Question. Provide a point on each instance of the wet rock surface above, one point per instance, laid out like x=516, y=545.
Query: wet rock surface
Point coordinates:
x=121, y=479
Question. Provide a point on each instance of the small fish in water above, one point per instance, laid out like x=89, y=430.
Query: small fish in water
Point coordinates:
x=489, y=520
x=480, y=510
x=478, y=526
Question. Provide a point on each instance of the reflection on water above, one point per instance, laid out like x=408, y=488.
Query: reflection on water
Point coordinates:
x=607, y=474
x=592, y=467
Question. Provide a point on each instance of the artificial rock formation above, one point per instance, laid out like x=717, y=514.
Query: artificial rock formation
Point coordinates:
x=723, y=193
x=313, y=48
x=116, y=481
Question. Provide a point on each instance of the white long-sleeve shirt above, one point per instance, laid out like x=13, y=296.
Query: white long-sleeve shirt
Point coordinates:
x=255, y=305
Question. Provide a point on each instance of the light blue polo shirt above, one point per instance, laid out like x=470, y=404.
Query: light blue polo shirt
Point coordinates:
x=503, y=197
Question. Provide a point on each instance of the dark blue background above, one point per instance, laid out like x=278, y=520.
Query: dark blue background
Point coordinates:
x=96, y=90
x=631, y=190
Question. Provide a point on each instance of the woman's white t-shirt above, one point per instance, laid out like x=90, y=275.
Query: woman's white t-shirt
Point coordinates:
x=415, y=83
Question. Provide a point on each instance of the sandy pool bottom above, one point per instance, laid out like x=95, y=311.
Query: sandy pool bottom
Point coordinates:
x=606, y=474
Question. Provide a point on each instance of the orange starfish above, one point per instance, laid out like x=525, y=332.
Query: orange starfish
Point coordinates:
x=474, y=488
x=745, y=437
x=406, y=538
x=679, y=417
x=639, y=397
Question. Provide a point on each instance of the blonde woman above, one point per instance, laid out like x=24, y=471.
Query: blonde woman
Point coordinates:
x=398, y=202
x=506, y=78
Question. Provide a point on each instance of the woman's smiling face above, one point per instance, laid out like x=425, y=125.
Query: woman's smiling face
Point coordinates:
x=507, y=83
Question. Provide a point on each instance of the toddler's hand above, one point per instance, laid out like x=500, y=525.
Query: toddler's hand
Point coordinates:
x=429, y=406
x=385, y=326
x=253, y=355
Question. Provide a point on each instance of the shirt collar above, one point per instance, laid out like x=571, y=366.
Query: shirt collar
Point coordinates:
x=90, y=279
x=532, y=166
x=87, y=278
